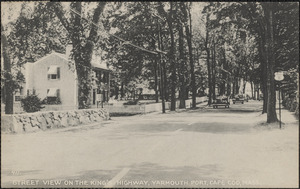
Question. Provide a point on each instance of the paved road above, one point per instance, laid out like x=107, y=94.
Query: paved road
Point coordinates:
x=196, y=148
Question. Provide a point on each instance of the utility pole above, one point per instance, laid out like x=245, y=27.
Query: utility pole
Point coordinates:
x=162, y=66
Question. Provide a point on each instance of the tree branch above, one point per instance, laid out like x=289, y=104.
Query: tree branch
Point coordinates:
x=162, y=11
x=96, y=18
x=125, y=41
x=58, y=9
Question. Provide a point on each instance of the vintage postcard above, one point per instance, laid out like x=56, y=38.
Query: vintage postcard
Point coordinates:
x=149, y=94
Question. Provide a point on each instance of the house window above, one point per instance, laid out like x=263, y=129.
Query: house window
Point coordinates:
x=53, y=96
x=21, y=91
x=17, y=98
x=30, y=92
x=53, y=72
x=53, y=76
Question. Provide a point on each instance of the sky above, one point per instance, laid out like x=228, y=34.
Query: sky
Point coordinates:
x=10, y=11
x=198, y=21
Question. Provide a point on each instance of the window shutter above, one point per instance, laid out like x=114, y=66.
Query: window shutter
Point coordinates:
x=48, y=74
x=104, y=77
x=58, y=93
x=100, y=76
x=58, y=72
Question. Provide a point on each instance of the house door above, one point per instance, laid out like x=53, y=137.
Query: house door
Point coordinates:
x=94, y=96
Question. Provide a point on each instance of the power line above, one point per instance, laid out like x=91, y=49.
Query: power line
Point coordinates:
x=119, y=38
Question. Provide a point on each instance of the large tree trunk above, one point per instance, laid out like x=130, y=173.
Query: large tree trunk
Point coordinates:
x=192, y=65
x=163, y=75
x=166, y=82
x=84, y=73
x=172, y=60
x=224, y=75
x=162, y=88
x=244, y=86
x=84, y=87
x=233, y=87
x=155, y=81
x=117, y=92
x=213, y=71
x=228, y=92
x=252, y=92
x=162, y=66
x=122, y=91
x=182, y=60
x=155, y=70
x=271, y=109
x=8, y=87
x=237, y=86
x=263, y=71
x=208, y=61
x=209, y=76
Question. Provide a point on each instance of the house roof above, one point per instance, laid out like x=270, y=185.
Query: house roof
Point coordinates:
x=95, y=61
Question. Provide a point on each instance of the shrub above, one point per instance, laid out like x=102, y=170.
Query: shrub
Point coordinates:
x=31, y=103
x=51, y=100
x=132, y=102
x=293, y=106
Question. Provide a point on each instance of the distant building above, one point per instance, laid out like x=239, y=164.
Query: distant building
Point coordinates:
x=53, y=81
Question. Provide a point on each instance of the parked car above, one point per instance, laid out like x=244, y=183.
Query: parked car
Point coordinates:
x=221, y=101
x=238, y=98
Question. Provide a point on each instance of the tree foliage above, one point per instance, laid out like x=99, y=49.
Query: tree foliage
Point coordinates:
x=262, y=37
x=157, y=44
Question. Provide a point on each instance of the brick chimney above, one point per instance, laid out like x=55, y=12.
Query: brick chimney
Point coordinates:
x=69, y=48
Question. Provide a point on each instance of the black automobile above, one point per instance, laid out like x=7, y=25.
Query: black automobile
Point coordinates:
x=221, y=101
x=238, y=98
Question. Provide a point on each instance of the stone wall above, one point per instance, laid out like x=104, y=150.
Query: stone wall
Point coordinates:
x=31, y=122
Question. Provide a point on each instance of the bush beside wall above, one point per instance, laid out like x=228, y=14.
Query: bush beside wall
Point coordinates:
x=292, y=105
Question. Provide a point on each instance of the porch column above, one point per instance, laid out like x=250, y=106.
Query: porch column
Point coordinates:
x=108, y=88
